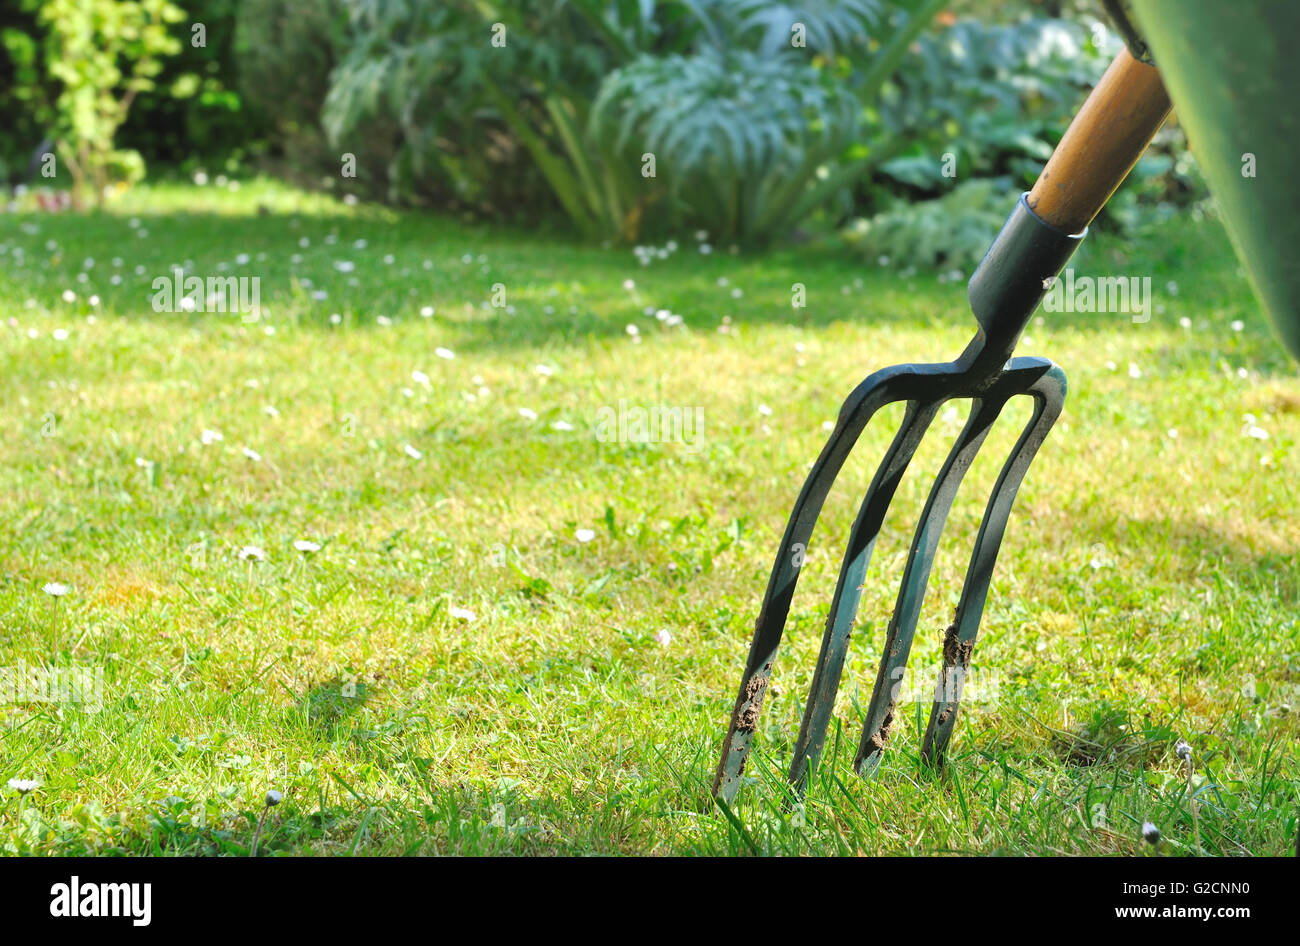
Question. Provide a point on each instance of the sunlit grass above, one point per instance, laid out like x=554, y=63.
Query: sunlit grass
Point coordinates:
x=1147, y=590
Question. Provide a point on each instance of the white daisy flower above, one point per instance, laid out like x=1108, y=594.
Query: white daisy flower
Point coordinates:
x=663, y=638
x=463, y=614
x=584, y=535
x=412, y=452
x=56, y=589
x=306, y=546
x=251, y=553
x=527, y=413
x=209, y=437
x=446, y=353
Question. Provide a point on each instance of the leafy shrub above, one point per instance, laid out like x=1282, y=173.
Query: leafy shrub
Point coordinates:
x=284, y=52
x=101, y=54
x=954, y=230
x=26, y=104
x=196, y=114
x=994, y=99
x=411, y=91
x=995, y=96
x=744, y=125
x=742, y=122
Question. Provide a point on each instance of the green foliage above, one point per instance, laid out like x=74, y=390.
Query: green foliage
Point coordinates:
x=25, y=104
x=984, y=104
x=742, y=123
x=638, y=120
x=284, y=53
x=196, y=114
x=953, y=230
x=995, y=96
x=407, y=99
x=734, y=99
x=103, y=53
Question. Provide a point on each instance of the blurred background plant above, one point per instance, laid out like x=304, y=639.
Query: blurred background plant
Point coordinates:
x=195, y=116
x=636, y=118
x=98, y=55
x=895, y=128
x=975, y=118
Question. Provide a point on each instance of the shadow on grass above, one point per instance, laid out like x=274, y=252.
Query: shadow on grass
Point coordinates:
x=559, y=290
x=327, y=706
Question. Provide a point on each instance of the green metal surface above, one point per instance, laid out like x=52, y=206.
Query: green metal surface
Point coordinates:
x=1233, y=73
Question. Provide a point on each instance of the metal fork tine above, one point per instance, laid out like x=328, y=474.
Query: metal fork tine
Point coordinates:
x=959, y=642
x=848, y=587
x=897, y=383
x=916, y=576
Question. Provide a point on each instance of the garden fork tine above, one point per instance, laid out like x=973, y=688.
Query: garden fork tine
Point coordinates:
x=1103, y=142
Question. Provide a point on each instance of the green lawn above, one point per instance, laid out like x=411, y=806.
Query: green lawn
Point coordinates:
x=455, y=671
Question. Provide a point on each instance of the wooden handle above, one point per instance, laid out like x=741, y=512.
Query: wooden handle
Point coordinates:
x=1102, y=144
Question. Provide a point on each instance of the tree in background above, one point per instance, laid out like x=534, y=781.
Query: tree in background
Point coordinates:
x=101, y=54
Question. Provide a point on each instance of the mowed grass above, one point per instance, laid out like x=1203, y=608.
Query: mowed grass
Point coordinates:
x=454, y=671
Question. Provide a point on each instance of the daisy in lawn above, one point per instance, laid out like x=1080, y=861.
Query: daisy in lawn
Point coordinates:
x=56, y=590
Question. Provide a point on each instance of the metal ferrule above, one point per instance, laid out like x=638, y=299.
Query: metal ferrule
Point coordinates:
x=1015, y=274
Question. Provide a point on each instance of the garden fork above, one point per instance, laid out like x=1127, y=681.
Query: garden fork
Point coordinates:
x=1102, y=144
